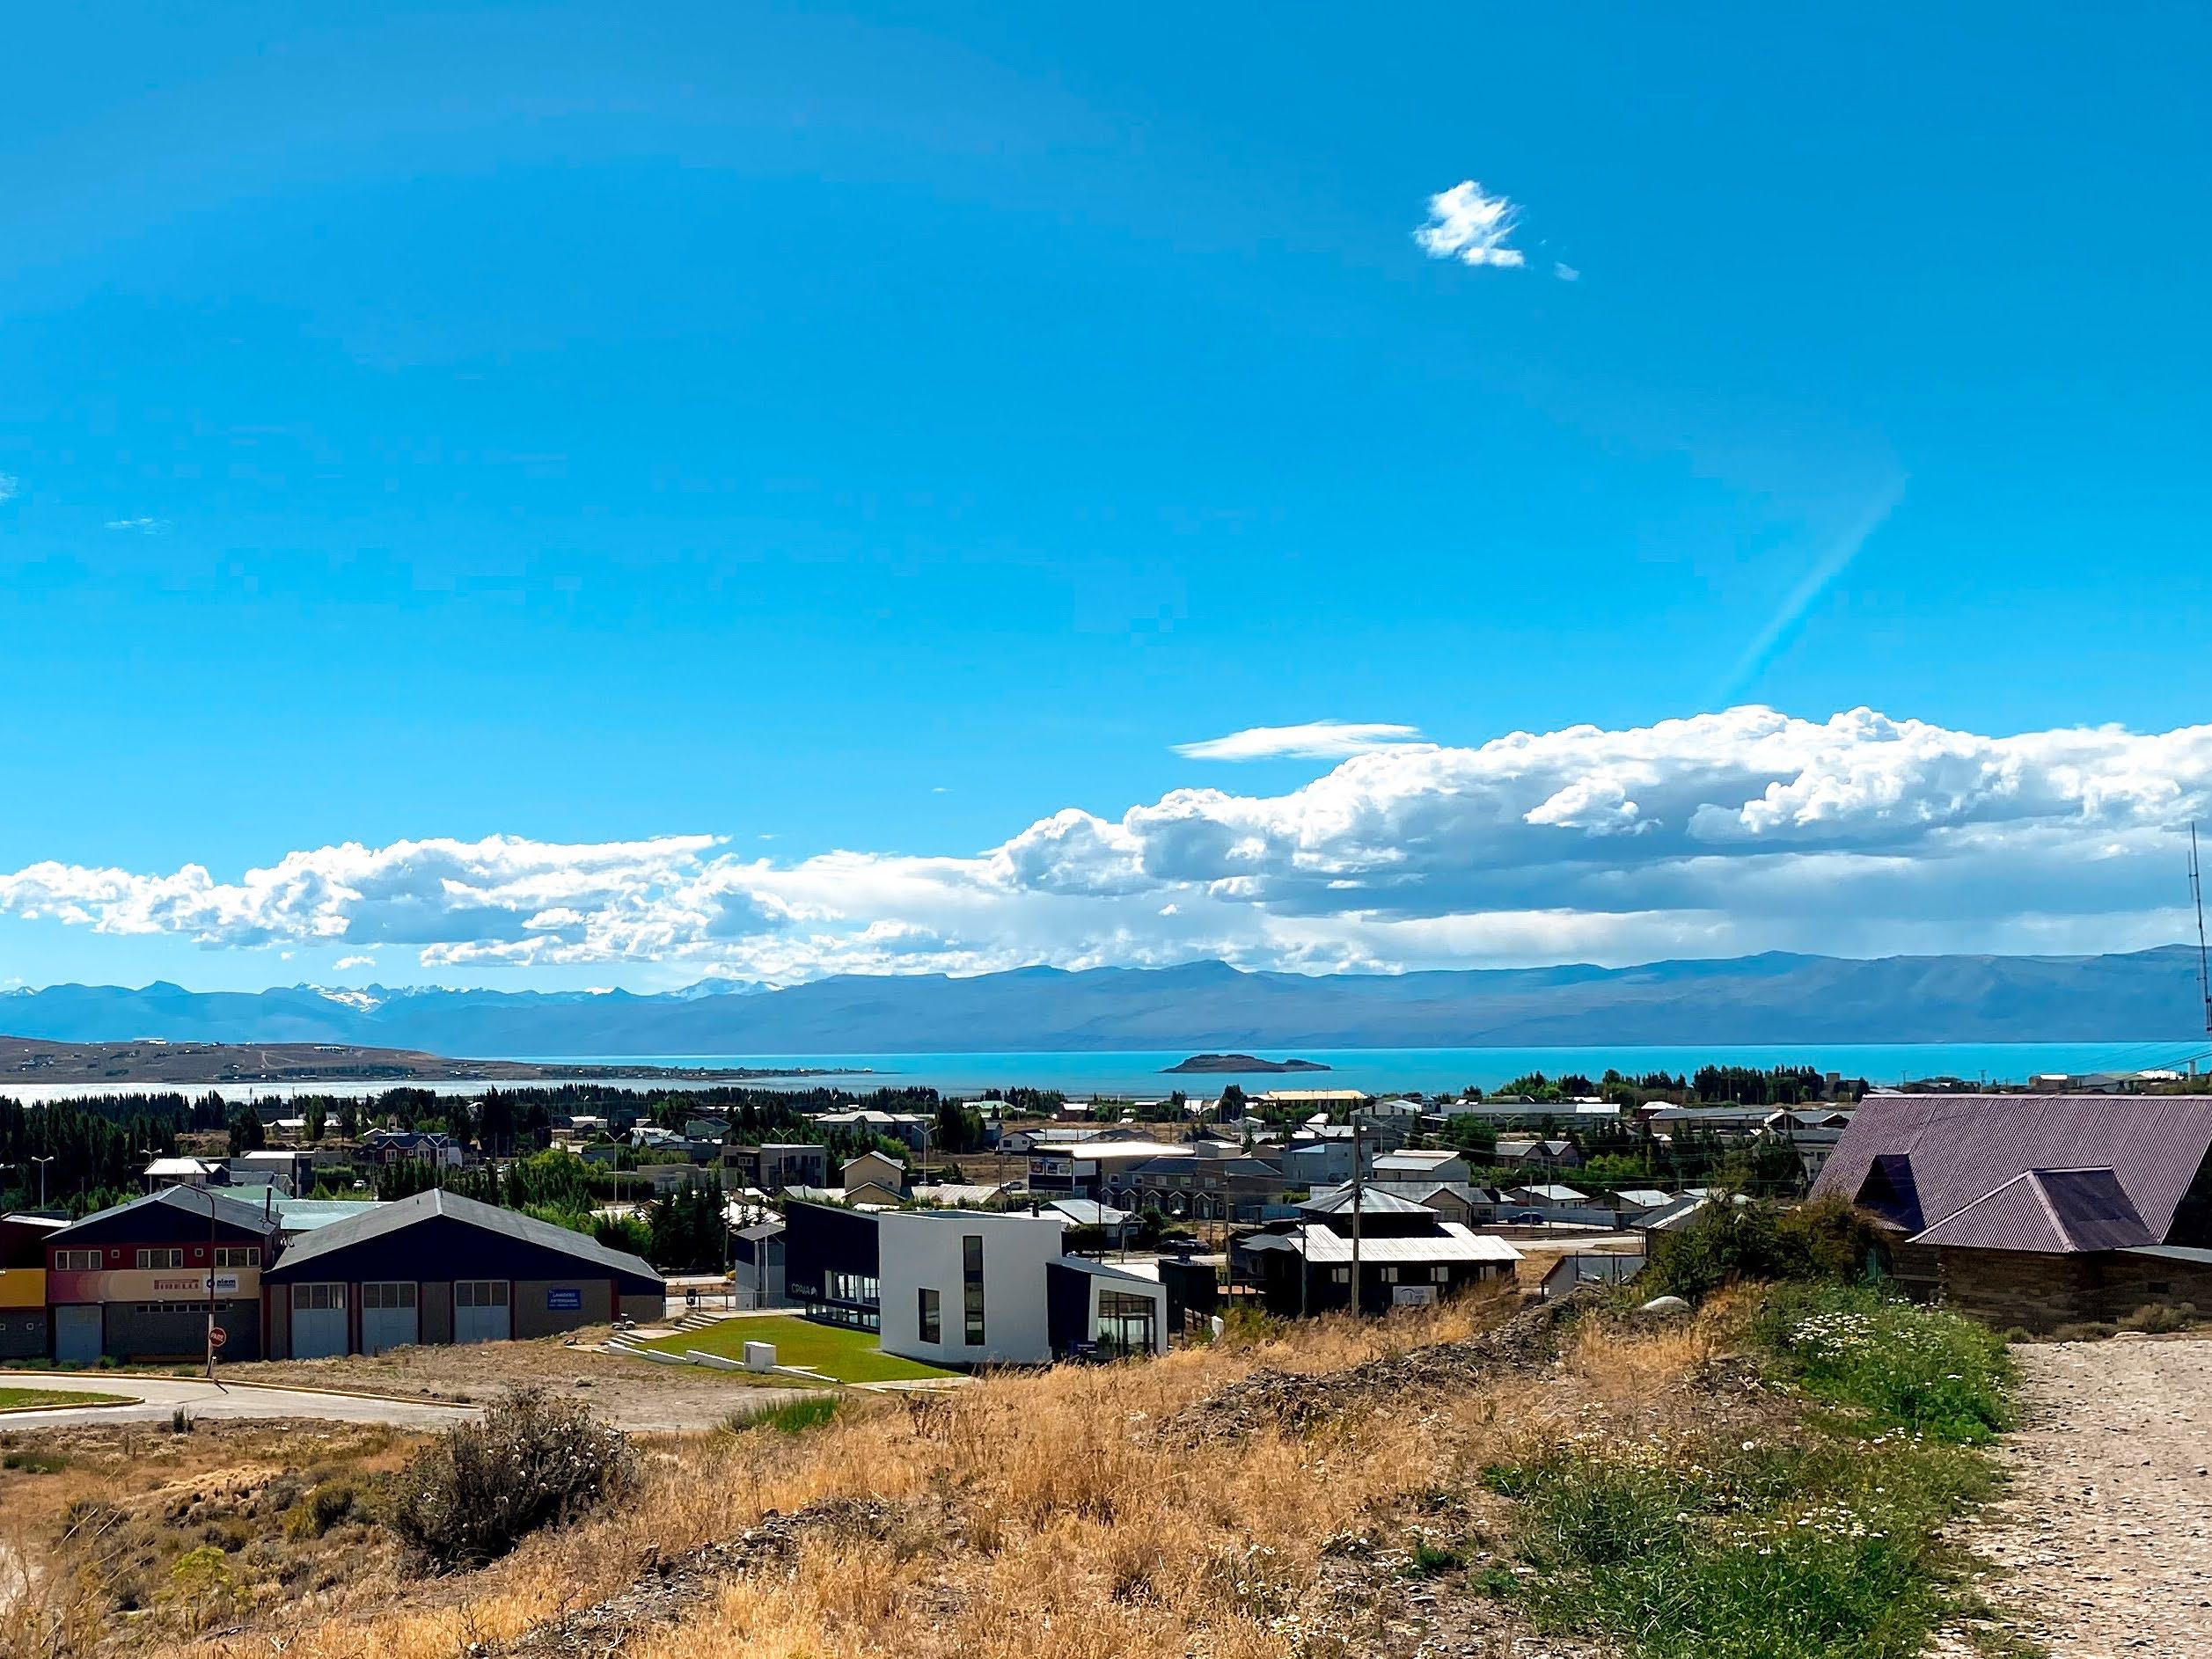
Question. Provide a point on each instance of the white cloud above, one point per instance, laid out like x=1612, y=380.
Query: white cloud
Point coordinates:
x=1315, y=740
x=345, y=963
x=1466, y=225
x=1724, y=833
x=8, y=485
x=139, y=526
x=1564, y=271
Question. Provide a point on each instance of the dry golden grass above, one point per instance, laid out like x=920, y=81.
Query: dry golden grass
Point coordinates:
x=1039, y=1515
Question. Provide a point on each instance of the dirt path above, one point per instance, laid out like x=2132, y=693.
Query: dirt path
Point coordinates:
x=2105, y=1540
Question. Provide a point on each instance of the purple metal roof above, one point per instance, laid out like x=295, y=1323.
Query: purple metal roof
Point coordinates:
x=2058, y=1211
x=1963, y=1147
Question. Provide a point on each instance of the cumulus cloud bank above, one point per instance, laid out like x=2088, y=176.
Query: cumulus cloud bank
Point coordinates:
x=1466, y=225
x=1315, y=740
x=1724, y=833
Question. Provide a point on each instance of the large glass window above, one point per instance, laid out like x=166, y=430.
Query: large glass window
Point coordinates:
x=77, y=1262
x=480, y=1293
x=932, y=1324
x=172, y=1258
x=971, y=1286
x=316, y=1298
x=1126, y=1323
x=238, y=1256
x=390, y=1296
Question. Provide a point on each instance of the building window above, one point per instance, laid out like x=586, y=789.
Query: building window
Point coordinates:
x=170, y=1257
x=1390, y=1276
x=480, y=1293
x=1340, y=1276
x=238, y=1256
x=392, y=1296
x=317, y=1298
x=1440, y=1275
x=77, y=1262
x=1126, y=1322
x=971, y=1286
x=933, y=1328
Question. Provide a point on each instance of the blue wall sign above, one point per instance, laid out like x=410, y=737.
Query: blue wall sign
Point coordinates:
x=564, y=1301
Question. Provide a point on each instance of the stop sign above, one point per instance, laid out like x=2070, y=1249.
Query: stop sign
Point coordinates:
x=216, y=1336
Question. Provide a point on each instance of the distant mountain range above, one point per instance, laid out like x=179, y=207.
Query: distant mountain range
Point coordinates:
x=2147, y=995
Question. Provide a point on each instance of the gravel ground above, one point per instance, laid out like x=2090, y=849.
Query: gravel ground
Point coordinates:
x=629, y=1393
x=2105, y=1540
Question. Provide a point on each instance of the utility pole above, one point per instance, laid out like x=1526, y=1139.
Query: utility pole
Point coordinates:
x=1356, y=1304
x=42, y=1163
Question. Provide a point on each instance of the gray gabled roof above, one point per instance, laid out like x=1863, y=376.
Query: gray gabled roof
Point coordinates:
x=193, y=1201
x=386, y=1219
x=1338, y=1202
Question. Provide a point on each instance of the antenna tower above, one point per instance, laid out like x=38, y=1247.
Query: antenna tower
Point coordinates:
x=2204, y=961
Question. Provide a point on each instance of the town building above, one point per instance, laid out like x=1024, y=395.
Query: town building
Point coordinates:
x=2036, y=1210
x=873, y=1169
x=136, y=1282
x=23, y=1318
x=1407, y=1254
x=963, y=1288
x=775, y=1165
x=1545, y=1154
x=1421, y=1166
x=437, y=1267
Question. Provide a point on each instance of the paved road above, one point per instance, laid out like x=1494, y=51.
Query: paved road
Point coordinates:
x=160, y=1396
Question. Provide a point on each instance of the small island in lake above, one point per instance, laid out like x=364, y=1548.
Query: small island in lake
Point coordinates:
x=1240, y=1063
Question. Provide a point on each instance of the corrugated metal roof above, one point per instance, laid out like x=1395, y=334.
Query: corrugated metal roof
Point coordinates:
x=1962, y=1147
x=2058, y=1211
x=1451, y=1243
x=193, y=1200
x=406, y=1212
x=1338, y=1201
x=304, y=1214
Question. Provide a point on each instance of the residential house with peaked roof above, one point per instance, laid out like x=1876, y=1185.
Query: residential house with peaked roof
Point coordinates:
x=1405, y=1254
x=2036, y=1210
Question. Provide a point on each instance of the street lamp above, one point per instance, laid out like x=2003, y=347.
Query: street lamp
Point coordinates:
x=212, y=1214
x=42, y=1163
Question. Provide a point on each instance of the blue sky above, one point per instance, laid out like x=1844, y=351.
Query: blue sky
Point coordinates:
x=886, y=432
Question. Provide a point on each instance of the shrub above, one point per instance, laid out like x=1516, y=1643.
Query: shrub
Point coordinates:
x=482, y=1487
x=2159, y=1317
x=1727, y=1241
x=323, y=1507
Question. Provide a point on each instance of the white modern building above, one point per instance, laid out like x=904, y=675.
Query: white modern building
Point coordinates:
x=966, y=1287
x=960, y=1287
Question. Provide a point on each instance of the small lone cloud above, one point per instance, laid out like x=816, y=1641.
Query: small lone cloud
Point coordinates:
x=1315, y=740
x=140, y=526
x=1466, y=225
x=8, y=485
x=346, y=962
x=1564, y=271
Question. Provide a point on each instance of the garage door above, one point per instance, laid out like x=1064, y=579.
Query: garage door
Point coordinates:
x=77, y=1333
x=479, y=1310
x=318, y=1321
x=387, y=1316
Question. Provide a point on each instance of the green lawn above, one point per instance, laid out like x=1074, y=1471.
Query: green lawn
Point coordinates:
x=850, y=1357
x=21, y=1399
